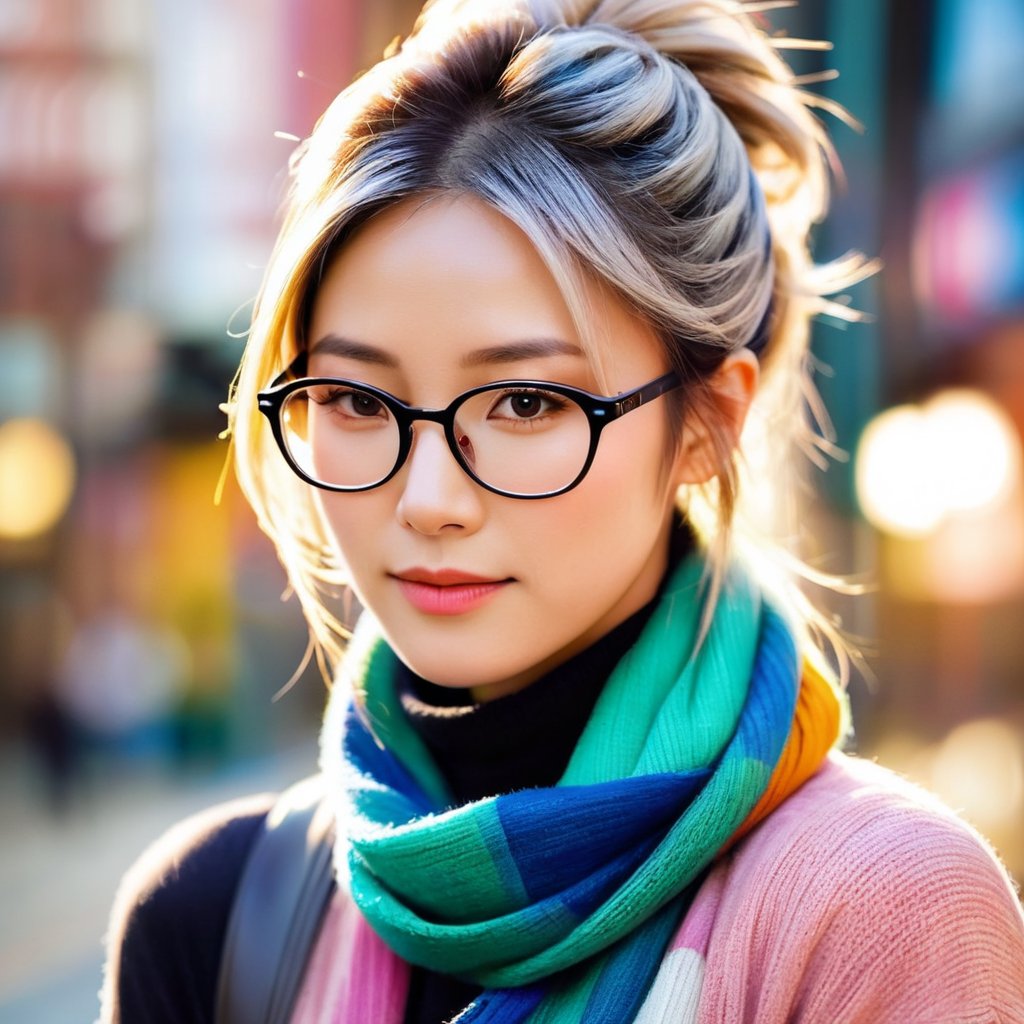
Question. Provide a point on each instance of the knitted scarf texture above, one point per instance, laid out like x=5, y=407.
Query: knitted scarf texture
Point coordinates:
x=561, y=902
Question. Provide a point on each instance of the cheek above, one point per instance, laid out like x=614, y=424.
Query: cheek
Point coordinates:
x=614, y=516
x=348, y=521
x=633, y=469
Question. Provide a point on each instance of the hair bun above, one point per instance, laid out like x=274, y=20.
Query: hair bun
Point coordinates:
x=738, y=64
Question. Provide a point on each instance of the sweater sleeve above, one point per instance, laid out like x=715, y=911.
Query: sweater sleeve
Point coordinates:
x=170, y=916
x=865, y=900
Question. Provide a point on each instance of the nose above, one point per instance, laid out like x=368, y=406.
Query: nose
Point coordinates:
x=437, y=496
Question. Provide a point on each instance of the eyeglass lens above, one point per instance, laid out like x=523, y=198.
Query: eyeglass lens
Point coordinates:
x=521, y=440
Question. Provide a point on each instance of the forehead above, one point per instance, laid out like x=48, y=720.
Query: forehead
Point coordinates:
x=423, y=251
x=438, y=277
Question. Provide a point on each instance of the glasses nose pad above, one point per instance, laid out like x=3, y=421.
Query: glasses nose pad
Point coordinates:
x=465, y=448
x=459, y=440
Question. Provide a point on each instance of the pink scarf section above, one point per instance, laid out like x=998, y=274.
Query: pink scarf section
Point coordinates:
x=335, y=993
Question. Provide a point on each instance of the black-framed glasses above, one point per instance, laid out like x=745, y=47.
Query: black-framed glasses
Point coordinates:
x=518, y=438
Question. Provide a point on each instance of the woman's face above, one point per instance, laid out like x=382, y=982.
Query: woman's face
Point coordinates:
x=441, y=296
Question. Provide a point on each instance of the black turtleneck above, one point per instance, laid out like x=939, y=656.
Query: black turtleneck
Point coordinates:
x=520, y=741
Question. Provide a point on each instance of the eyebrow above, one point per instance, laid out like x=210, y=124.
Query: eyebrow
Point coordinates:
x=512, y=352
x=335, y=345
x=509, y=352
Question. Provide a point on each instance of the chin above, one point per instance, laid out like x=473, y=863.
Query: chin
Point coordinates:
x=466, y=672
x=441, y=672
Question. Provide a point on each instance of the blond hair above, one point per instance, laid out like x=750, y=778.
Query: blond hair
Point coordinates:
x=661, y=147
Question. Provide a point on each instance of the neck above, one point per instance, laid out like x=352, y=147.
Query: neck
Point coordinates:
x=522, y=740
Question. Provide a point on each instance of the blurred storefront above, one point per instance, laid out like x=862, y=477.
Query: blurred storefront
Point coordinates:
x=952, y=600
x=143, y=163
x=927, y=395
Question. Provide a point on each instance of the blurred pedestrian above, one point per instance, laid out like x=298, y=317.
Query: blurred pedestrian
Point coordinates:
x=540, y=267
x=53, y=739
x=119, y=683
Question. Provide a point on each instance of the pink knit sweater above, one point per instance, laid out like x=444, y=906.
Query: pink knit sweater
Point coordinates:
x=861, y=899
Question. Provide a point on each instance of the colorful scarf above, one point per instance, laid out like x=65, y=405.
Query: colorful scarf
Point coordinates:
x=561, y=902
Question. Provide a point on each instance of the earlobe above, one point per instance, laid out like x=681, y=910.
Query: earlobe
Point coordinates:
x=713, y=431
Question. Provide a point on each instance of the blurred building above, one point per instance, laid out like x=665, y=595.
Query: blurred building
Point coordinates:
x=143, y=163
x=931, y=501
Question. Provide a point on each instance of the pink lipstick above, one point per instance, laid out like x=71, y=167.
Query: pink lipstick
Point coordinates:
x=446, y=591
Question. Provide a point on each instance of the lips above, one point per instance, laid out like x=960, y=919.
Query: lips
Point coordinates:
x=447, y=591
x=444, y=577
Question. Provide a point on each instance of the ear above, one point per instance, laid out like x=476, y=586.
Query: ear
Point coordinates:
x=706, y=436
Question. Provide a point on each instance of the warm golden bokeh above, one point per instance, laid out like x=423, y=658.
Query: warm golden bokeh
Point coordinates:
x=37, y=475
x=921, y=466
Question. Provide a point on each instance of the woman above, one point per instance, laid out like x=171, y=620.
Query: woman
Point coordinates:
x=535, y=268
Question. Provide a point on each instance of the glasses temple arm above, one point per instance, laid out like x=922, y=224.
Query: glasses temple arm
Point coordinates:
x=647, y=393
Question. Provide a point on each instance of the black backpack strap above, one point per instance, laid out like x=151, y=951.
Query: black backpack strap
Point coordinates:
x=281, y=899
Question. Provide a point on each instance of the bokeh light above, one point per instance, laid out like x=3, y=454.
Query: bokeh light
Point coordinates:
x=917, y=466
x=894, y=481
x=976, y=446
x=37, y=475
x=979, y=768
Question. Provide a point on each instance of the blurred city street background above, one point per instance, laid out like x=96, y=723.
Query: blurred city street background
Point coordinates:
x=144, y=642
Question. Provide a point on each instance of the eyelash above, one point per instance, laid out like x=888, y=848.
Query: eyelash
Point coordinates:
x=553, y=403
x=334, y=396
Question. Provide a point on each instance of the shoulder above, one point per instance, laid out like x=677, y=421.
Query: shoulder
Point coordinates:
x=170, y=915
x=855, y=818
x=872, y=896
x=197, y=854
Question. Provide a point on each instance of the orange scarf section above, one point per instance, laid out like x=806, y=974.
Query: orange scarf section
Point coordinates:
x=817, y=724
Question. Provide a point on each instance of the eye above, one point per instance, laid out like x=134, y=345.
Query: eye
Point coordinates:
x=527, y=404
x=348, y=402
x=363, y=404
x=524, y=405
